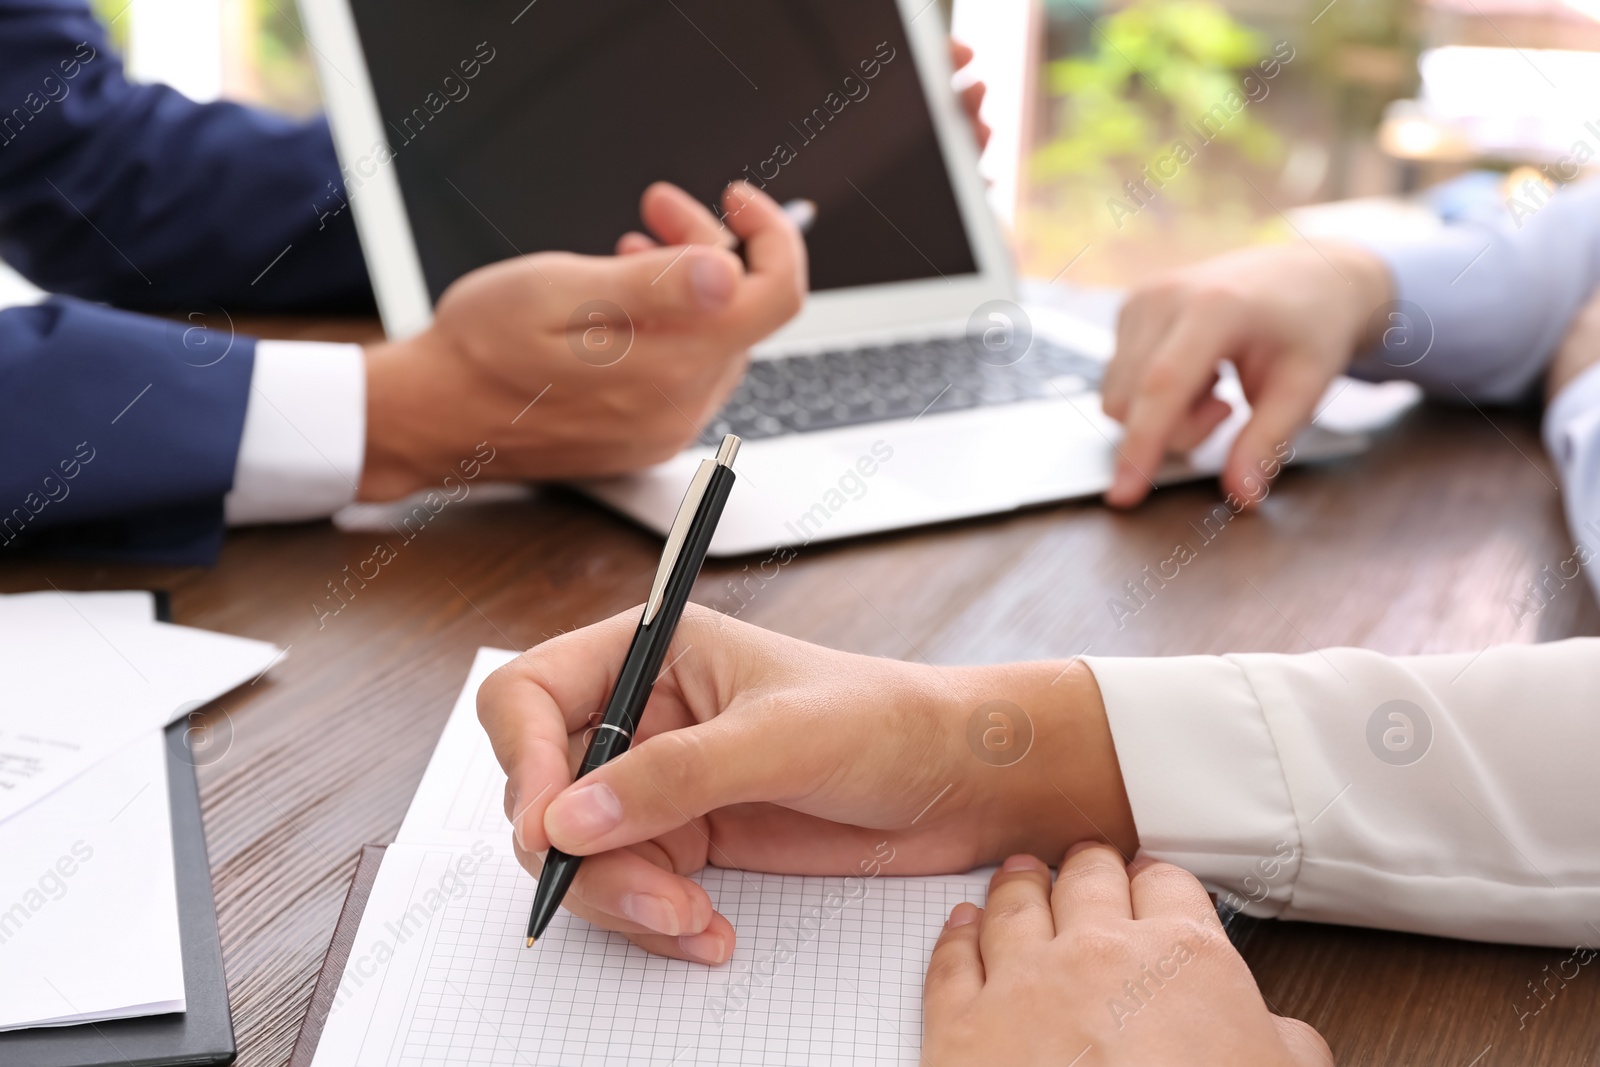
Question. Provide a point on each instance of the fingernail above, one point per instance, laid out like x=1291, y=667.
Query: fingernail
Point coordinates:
x=1080, y=846
x=712, y=281
x=1022, y=862
x=585, y=813
x=962, y=914
x=651, y=912
x=707, y=947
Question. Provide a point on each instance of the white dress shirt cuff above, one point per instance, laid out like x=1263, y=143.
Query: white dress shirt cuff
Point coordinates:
x=1203, y=774
x=304, y=433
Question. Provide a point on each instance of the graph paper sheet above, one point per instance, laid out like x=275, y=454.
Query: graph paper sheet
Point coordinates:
x=826, y=971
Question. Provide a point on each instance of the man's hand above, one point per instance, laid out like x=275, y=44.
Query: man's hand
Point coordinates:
x=1579, y=350
x=1114, y=965
x=762, y=752
x=626, y=356
x=1288, y=318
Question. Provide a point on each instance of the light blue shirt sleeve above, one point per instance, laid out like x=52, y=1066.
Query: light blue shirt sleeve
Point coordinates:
x=1572, y=435
x=1498, y=299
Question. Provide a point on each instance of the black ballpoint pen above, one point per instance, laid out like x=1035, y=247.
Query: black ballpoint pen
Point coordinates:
x=685, y=551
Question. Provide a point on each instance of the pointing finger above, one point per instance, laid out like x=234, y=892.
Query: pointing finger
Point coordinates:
x=1178, y=373
x=1281, y=409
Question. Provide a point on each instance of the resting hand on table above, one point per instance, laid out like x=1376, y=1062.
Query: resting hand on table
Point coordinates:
x=762, y=752
x=1110, y=965
x=1289, y=318
x=624, y=391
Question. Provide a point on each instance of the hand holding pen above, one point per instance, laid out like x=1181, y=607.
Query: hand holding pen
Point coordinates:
x=681, y=558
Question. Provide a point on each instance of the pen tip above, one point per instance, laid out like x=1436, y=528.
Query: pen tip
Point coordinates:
x=530, y=943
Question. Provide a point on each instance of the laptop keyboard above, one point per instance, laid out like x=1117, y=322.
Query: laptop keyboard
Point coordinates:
x=848, y=387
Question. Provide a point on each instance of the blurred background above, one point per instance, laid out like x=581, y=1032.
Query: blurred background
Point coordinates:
x=1299, y=118
x=1391, y=115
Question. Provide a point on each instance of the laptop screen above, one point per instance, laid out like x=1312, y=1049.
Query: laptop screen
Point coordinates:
x=519, y=127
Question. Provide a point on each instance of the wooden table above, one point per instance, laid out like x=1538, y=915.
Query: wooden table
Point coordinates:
x=1417, y=546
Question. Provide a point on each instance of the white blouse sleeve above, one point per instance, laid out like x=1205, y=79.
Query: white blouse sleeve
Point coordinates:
x=1450, y=795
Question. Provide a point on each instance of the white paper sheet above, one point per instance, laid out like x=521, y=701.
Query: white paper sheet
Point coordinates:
x=53, y=609
x=827, y=970
x=79, y=682
x=89, y=900
x=89, y=929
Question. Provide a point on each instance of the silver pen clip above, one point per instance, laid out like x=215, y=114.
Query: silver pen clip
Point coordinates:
x=681, y=522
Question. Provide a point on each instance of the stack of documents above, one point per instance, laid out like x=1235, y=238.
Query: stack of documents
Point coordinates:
x=88, y=897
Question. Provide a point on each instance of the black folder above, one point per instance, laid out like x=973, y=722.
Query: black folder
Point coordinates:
x=203, y=1034
x=332, y=970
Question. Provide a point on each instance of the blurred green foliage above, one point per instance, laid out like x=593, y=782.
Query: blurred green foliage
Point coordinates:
x=1152, y=65
x=279, y=72
x=287, y=79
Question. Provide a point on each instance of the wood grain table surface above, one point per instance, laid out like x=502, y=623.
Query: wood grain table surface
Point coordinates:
x=1419, y=545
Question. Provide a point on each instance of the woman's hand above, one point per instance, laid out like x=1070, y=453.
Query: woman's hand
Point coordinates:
x=1289, y=317
x=762, y=752
x=1113, y=965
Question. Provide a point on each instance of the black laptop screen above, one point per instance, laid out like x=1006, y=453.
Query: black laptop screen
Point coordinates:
x=518, y=127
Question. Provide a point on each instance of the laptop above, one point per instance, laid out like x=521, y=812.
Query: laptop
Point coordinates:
x=916, y=386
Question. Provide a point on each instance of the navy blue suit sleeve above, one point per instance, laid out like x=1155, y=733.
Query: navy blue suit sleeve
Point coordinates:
x=136, y=196
x=118, y=439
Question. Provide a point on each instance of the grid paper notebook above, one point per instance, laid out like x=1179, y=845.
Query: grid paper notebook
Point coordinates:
x=827, y=970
